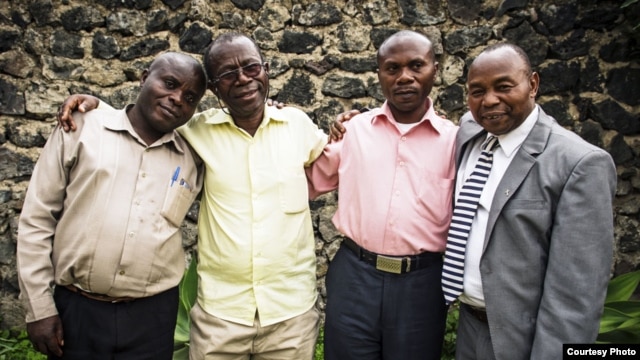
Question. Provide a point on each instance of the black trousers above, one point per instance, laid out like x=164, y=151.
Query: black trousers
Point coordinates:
x=136, y=330
x=375, y=315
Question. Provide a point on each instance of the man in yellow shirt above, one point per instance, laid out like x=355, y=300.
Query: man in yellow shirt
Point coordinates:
x=257, y=264
x=256, y=249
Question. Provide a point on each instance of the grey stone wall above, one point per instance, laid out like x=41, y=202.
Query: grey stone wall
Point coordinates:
x=322, y=57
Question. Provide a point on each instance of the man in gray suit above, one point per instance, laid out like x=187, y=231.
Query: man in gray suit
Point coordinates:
x=539, y=251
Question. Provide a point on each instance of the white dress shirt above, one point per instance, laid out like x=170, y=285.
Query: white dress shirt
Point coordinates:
x=502, y=157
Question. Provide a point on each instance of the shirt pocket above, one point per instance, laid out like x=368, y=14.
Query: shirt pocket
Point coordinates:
x=294, y=192
x=435, y=199
x=177, y=202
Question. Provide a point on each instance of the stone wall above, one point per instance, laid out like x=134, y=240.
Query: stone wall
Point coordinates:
x=322, y=57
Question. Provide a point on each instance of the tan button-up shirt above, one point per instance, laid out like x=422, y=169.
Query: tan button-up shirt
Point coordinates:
x=103, y=212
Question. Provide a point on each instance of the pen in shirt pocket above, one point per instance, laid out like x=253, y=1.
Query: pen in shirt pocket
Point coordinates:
x=185, y=184
x=176, y=173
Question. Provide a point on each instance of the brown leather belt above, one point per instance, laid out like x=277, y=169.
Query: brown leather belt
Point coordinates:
x=479, y=314
x=99, y=297
x=393, y=264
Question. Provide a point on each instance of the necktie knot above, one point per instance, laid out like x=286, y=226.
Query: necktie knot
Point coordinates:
x=490, y=144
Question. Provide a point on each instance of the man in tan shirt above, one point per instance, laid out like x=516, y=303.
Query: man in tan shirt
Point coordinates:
x=101, y=223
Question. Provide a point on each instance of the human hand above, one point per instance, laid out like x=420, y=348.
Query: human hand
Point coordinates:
x=79, y=102
x=276, y=103
x=336, y=129
x=46, y=335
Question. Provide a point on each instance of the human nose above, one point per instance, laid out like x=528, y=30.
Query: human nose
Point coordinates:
x=405, y=75
x=242, y=76
x=176, y=97
x=490, y=99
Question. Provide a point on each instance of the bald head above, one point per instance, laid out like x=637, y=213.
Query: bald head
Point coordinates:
x=181, y=61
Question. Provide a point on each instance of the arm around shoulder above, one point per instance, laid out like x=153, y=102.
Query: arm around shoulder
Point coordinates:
x=76, y=102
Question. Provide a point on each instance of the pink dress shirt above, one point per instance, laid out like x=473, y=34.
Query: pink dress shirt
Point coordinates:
x=395, y=189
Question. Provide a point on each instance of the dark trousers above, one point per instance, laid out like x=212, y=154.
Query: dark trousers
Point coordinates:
x=373, y=315
x=136, y=330
x=473, y=340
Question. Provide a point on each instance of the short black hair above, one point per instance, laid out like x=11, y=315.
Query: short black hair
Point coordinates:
x=521, y=53
x=406, y=33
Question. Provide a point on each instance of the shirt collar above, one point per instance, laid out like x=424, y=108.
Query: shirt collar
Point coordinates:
x=511, y=141
x=121, y=123
x=384, y=114
x=271, y=113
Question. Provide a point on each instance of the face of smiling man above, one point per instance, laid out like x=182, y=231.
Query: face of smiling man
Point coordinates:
x=170, y=91
x=406, y=72
x=501, y=90
x=244, y=93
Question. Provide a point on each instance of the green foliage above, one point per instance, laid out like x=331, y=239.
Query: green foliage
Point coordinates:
x=620, y=322
x=16, y=346
x=188, y=293
x=450, y=333
x=319, y=355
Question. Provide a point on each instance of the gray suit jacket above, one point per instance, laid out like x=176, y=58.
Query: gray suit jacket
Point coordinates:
x=548, y=249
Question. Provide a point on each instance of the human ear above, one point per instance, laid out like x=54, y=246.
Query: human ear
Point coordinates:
x=534, y=83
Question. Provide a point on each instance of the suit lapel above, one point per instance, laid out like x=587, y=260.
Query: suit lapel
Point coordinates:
x=524, y=160
x=469, y=131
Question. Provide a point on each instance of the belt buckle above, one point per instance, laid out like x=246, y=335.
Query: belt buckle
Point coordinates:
x=389, y=264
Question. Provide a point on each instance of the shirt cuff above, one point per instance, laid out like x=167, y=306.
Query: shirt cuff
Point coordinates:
x=41, y=308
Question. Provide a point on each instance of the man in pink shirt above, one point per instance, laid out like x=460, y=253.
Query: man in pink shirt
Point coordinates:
x=395, y=175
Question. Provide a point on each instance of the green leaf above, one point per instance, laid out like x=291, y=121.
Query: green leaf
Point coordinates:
x=611, y=319
x=630, y=308
x=622, y=287
x=181, y=354
x=619, y=337
x=189, y=286
x=188, y=289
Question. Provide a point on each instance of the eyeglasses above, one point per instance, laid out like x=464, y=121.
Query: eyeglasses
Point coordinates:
x=251, y=70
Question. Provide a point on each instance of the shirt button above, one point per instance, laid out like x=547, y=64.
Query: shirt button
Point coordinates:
x=143, y=175
x=401, y=163
x=404, y=138
x=121, y=272
x=131, y=234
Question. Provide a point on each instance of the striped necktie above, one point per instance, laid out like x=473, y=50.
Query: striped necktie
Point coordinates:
x=463, y=214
